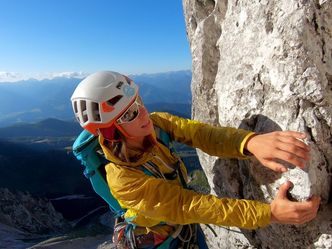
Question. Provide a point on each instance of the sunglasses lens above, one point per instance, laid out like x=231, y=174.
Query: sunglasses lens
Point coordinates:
x=132, y=112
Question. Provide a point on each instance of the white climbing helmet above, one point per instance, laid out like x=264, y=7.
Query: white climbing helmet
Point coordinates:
x=101, y=98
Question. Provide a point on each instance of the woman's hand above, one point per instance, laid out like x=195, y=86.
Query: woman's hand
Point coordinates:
x=284, y=211
x=282, y=145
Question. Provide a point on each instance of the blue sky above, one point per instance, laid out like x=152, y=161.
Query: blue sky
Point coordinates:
x=129, y=36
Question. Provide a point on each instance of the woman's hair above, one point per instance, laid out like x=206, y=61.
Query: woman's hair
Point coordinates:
x=118, y=146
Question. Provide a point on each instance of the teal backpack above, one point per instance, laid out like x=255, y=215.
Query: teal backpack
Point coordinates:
x=87, y=149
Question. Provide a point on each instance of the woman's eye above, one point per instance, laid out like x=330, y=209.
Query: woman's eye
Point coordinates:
x=133, y=115
x=130, y=115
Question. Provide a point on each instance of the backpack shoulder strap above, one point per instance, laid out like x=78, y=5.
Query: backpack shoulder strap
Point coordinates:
x=162, y=136
x=165, y=138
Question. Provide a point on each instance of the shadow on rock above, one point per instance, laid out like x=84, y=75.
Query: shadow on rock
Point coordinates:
x=246, y=178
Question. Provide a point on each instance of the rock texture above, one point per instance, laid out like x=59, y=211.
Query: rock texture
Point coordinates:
x=266, y=65
x=23, y=212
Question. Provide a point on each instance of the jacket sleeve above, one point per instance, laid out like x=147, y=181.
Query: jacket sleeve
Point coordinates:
x=216, y=141
x=161, y=200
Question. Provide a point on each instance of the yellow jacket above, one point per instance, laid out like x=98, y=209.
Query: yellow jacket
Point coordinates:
x=151, y=200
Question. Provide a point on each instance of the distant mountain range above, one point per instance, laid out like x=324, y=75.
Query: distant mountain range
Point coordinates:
x=36, y=100
x=50, y=127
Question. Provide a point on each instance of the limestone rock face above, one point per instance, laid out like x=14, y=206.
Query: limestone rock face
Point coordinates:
x=266, y=65
x=22, y=211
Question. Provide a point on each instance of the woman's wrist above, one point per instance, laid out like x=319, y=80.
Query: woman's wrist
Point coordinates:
x=246, y=149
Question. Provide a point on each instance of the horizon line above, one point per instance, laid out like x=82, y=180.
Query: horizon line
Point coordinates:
x=12, y=77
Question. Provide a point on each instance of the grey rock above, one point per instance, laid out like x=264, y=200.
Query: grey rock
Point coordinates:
x=29, y=214
x=264, y=66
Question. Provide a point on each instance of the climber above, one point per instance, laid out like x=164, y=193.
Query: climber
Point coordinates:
x=149, y=181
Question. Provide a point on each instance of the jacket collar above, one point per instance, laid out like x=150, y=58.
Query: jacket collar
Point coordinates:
x=143, y=157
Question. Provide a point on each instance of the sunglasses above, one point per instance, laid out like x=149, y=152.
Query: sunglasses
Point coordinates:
x=132, y=112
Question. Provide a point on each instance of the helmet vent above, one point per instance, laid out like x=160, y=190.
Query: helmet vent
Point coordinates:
x=75, y=107
x=83, y=110
x=85, y=117
x=83, y=105
x=95, y=111
x=114, y=100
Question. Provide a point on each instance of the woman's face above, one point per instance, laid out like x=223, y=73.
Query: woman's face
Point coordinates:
x=141, y=125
